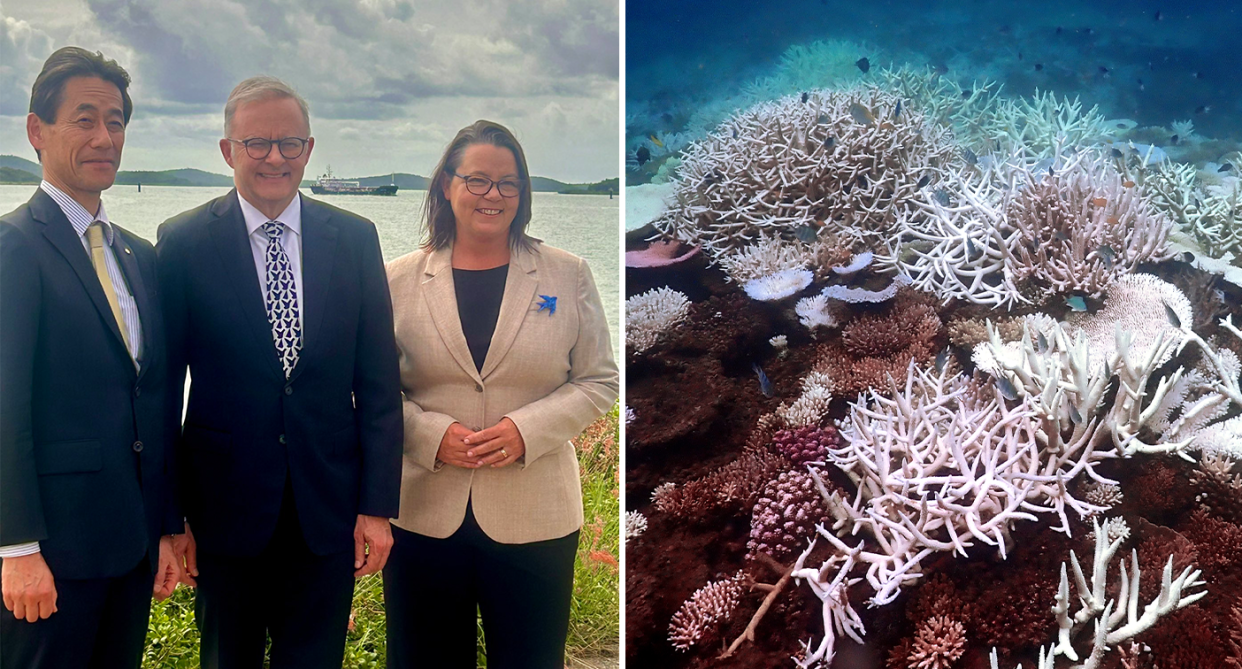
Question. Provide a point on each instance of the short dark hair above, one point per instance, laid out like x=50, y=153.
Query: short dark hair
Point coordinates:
x=438, y=211
x=70, y=62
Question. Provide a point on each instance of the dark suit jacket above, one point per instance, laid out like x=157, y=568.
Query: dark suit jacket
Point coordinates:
x=334, y=429
x=83, y=466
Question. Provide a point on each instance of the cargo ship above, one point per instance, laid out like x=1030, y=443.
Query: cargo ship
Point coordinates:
x=330, y=185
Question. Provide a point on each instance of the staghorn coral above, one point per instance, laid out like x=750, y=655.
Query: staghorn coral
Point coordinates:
x=784, y=518
x=969, y=332
x=872, y=335
x=806, y=444
x=701, y=615
x=780, y=166
x=811, y=406
x=651, y=314
x=1103, y=495
x=1210, y=215
x=735, y=486
x=938, y=643
x=1217, y=542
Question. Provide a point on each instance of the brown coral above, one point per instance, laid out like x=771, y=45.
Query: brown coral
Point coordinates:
x=735, y=486
x=965, y=333
x=876, y=347
x=701, y=615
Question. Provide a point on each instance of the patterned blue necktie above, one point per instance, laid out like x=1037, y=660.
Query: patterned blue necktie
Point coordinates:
x=282, y=299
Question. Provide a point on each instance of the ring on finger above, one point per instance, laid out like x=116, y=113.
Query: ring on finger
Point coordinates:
x=504, y=454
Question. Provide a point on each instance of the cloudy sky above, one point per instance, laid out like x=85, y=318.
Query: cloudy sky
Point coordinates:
x=389, y=82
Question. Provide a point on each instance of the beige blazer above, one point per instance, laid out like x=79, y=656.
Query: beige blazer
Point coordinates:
x=551, y=374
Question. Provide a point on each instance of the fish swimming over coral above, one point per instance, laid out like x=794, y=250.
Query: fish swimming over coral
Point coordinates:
x=765, y=384
x=863, y=64
x=861, y=114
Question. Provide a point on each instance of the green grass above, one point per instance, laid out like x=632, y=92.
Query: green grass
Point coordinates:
x=172, y=639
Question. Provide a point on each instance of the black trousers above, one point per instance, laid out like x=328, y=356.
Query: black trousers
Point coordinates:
x=100, y=623
x=435, y=588
x=300, y=599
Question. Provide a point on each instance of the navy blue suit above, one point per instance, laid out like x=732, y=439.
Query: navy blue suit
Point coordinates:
x=266, y=459
x=83, y=465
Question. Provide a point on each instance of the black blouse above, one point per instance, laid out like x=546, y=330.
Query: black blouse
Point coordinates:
x=479, y=292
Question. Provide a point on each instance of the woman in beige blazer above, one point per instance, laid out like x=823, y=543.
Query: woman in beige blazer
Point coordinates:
x=505, y=357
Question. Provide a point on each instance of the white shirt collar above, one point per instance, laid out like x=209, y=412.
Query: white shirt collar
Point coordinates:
x=78, y=216
x=255, y=219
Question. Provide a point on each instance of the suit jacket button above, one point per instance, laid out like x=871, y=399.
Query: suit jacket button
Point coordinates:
x=137, y=392
x=282, y=438
x=137, y=446
x=288, y=390
x=478, y=388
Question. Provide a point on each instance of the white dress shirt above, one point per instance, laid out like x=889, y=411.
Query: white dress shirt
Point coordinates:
x=81, y=219
x=291, y=239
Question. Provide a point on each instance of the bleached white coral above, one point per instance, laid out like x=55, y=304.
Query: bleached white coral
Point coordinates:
x=635, y=524
x=778, y=286
x=1221, y=439
x=1104, y=495
x=1138, y=304
x=649, y=315
x=662, y=494
x=812, y=405
x=814, y=312
x=770, y=255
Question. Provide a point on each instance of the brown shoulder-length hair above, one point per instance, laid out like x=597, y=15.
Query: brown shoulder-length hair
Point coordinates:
x=438, y=211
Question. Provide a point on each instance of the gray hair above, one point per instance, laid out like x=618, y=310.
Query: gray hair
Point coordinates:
x=261, y=88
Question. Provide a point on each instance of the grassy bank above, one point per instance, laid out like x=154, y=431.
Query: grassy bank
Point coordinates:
x=172, y=640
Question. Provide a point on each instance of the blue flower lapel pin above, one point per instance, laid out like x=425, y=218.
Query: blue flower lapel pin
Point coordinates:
x=547, y=302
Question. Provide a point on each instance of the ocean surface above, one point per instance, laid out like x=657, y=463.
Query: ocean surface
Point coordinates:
x=582, y=224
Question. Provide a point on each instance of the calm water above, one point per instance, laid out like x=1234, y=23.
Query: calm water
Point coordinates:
x=586, y=225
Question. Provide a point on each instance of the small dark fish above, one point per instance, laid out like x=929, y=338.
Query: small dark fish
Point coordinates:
x=1004, y=30
x=1198, y=75
x=1203, y=109
x=940, y=68
x=1117, y=153
x=1226, y=167
x=924, y=181
x=1041, y=342
x=1019, y=55
x=966, y=94
x=1039, y=67
x=1173, y=139
x=1141, y=86
x=1074, y=415
x=805, y=96
x=807, y=233
x=862, y=181
x=863, y=64
x=642, y=155
x=1089, y=31
x=1108, y=254
x=1158, y=17
x=897, y=110
x=941, y=196
x=765, y=385
x=1050, y=172
x=735, y=133
x=972, y=251
x=829, y=142
x=942, y=359
x=1077, y=303
x=1005, y=386
x=823, y=120
x=1104, y=71
x=970, y=157
x=1059, y=29
x=861, y=114
x=847, y=187
x=1060, y=236
x=1173, y=319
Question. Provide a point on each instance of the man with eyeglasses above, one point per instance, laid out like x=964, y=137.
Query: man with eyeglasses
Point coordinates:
x=291, y=446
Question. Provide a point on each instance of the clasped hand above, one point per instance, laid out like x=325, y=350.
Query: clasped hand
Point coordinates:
x=497, y=446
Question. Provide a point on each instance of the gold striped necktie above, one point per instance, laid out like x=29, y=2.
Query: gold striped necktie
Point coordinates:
x=95, y=237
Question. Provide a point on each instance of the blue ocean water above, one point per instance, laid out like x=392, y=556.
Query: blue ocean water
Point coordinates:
x=1150, y=61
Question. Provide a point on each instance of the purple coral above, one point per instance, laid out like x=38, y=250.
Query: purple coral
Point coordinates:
x=785, y=516
x=806, y=444
x=702, y=614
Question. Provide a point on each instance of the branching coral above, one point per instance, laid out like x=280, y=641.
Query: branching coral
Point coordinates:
x=806, y=444
x=938, y=643
x=651, y=314
x=880, y=346
x=1210, y=214
x=702, y=614
x=842, y=158
x=736, y=485
x=635, y=525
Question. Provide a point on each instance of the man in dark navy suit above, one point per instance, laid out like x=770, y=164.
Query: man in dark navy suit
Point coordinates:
x=292, y=443
x=86, y=497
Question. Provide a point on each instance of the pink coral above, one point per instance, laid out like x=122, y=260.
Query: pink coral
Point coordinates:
x=784, y=518
x=939, y=642
x=700, y=615
x=806, y=444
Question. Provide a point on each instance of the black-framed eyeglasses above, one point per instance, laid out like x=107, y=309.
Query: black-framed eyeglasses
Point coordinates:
x=478, y=185
x=258, y=148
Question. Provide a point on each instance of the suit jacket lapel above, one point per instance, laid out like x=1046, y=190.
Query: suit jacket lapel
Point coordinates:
x=441, y=298
x=520, y=286
x=60, y=233
x=228, y=231
x=137, y=288
x=318, y=260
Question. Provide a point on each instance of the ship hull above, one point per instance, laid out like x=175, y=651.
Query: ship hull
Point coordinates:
x=375, y=190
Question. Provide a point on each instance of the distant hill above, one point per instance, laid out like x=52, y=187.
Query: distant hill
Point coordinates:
x=182, y=177
x=605, y=187
x=20, y=164
x=12, y=175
